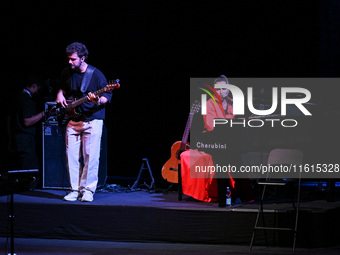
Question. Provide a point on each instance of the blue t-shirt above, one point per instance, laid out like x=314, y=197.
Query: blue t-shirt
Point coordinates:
x=71, y=83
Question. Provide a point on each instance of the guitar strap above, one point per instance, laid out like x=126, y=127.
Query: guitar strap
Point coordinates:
x=87, y=78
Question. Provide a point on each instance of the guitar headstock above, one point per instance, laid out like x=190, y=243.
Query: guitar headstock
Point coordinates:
x=113, y=85
x=195, y=107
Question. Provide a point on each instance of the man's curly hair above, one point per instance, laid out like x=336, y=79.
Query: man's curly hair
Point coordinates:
x=78, y=48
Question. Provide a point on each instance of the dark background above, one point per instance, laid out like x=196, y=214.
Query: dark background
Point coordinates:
x=154, y=47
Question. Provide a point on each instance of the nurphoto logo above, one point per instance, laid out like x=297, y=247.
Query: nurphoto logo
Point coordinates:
x=239, y=105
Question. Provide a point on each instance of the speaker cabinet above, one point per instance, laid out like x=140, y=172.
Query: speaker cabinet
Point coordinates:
x=55, y=174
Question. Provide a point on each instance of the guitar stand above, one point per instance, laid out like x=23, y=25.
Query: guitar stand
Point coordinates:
x=145, y=165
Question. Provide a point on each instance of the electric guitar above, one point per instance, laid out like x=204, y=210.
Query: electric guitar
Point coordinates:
x=70, y=111
x=170, y=168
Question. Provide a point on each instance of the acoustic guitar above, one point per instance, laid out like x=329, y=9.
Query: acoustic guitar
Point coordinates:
x=170, y=168
x=63, y=114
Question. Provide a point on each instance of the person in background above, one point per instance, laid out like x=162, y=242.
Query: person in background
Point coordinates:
x=240, y=187
x=218, y=110
x=22, y=126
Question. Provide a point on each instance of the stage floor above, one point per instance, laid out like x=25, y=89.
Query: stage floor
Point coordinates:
x=141, y=216
x=28, y=246
x=169, y=200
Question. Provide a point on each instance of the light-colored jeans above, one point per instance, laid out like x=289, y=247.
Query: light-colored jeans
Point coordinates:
x=83, y=140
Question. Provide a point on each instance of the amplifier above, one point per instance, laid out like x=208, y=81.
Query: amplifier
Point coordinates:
x=55, y=174
x=51, y=112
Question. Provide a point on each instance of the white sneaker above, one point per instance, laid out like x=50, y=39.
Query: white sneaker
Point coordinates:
x=87, y=196
x=72, y=196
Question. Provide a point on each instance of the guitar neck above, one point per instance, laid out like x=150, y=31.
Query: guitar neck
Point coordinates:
x=84, y=99
x=186, y=131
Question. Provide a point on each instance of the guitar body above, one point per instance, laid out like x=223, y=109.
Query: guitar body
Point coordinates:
x=63, y=114
x=170, y=168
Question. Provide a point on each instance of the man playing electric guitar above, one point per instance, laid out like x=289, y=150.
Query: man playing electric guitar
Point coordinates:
x=84, y=131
